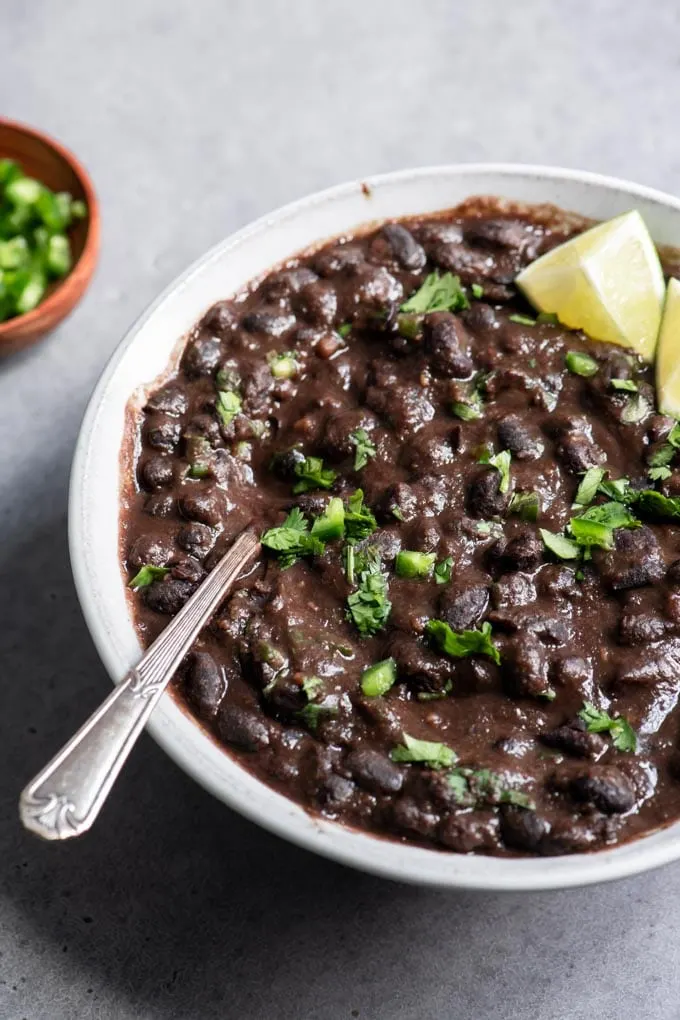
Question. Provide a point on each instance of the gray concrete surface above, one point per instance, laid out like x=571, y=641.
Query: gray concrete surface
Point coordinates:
x=194, y=118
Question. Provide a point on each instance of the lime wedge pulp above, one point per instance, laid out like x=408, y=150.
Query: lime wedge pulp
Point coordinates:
x=607, y=281
x=668, y=353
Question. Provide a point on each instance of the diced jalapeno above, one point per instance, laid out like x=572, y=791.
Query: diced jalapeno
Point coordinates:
x=411, y=564
x=378, y=679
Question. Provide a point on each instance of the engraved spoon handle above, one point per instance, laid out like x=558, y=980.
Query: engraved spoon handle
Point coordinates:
x=65, y=798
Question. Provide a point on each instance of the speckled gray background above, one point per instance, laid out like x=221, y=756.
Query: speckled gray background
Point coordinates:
x=193, y=118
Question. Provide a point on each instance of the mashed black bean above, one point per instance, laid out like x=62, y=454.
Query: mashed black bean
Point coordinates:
x=435, y=450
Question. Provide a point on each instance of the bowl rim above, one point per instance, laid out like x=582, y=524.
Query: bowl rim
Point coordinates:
x=402, y=862
x=72, y=281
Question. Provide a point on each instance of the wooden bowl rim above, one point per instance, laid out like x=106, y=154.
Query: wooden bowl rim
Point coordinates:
x=83, y=266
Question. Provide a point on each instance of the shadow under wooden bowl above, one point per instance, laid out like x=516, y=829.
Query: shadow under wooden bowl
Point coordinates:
x=49, y=162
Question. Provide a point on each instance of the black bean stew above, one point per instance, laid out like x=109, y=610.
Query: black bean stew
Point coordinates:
x=465, y=627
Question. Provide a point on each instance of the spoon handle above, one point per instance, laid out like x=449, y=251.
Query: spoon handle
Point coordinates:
x=66, y=796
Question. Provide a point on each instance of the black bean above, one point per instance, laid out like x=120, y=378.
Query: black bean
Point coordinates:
x=575, y=739
x=480, y=318
x=467, y=832
x=270, y=321
x=317, y=303
x=519, y=438
x=374, y=771
x=514, y=589
x=284, y=462
x=641, y=628
x=241, y=727
x=196, y=539
x=635, y=560
x=524, y=552
x=411, y=816
x=159, y=504
x=340, y=259
x=168, y=595
x=336, y=790
x=673, y=573
x=203, y=505
x=257, y=387
x=206, y=684
x=408, y=253
x=204, y=426
x=578, y=453
x=201, y=356
x=484, y=498
x=508, y=235
x=573, y=837
x=448, y=344
x=462, y=608
x=606, y=788
x=220, y=319
x=522, y=829
x=156, y=550
x=370, y=295
x=170, y=399
x=528, y=666
x=337, y=440
x=423, y=669
x=156, y=472
x=407, y=408
x=163, y=433
x=398, y=502
x=285, y=698
x=288, y=282
x=473, y=266
x=559, y=583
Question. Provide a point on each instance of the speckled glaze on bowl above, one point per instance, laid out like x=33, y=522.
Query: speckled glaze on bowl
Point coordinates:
x=95, y=484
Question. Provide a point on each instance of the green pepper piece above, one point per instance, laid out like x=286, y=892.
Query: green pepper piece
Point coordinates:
x=331, y=524
x=414, y=564
x=58, y=259
x=378, y=679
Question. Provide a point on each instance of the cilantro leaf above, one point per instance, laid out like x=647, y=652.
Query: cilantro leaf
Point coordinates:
x=525, y=504
x=369, y=606
x=438, y=293
x=459, y=644
x=426, y=752
x=365, y=449
x=622, y=733
x=465, y=411
x=637, y=408
x=589, y=485
x=312, y=713
x=659, y=474
x=345, y=329
x=360, y=520
x=147, y=575
x=663, y=456
x=227, y=405
x=650, y=503
x=560, y=546
x=626, y=385
x=501, y=461
x=617, y=489
x=442, y=570
x=311, y=685
x=313, y=475
x=331, y=523
x=412, y=565
x=481, y=787
x=292, y=539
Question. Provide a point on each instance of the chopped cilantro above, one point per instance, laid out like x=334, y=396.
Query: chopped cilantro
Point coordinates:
x=581, y=364
x=622, y=733
x=477, y=291
x=360, y=521
x=482, y=787
x=442, y=570
x=459, y=644
x=313, y=475
x=378, y=678
x=369, y=606
x=331, y=523
x=590, y=483
x=526, y=505
x=292, y=539
x=427, y=752
x=663, y=456
x=637, y=408
x=659, y=474
x=465, y=411
x=627, y=385
x=650, y=503
x=410, y=564
x=311, y=714
x=397, y=512
x=311, y=685
x=617, y=489
x=345, y=329
x=147, y=575
x=228, y=405
x=365, y=449
x=501, y=461
x=522, y=320
x=547, y=319
x=560, y=546
x=438, y=293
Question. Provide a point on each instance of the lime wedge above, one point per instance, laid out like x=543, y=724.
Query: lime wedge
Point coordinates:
x=668, y=353
x=607, y=281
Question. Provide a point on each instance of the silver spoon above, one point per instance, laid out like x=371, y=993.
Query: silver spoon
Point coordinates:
x=65, y=798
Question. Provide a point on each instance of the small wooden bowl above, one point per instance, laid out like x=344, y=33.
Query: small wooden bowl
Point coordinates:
x=48, y=161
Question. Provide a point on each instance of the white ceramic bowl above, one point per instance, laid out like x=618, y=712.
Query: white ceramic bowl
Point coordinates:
x=94, y=500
